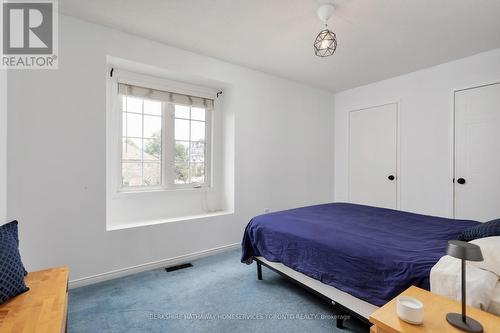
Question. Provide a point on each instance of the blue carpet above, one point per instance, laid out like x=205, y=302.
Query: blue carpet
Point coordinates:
x=218, y=294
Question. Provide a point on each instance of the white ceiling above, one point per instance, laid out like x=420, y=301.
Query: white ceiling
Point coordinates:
x=377, y=39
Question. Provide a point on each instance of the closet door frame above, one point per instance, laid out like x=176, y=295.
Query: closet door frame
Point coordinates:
x=453, y=133
x=397, y=102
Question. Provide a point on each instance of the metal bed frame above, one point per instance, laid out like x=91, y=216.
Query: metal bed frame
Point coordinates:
x=343, y=310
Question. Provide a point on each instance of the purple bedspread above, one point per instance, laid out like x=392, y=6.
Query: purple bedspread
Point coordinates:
x=371, y=253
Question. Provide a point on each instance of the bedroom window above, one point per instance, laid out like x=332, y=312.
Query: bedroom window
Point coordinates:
x=164, y=138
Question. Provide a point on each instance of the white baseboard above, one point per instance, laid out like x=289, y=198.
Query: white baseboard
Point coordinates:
x=149, y=266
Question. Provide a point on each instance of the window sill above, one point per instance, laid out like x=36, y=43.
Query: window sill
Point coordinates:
x=149, y=191
x=169, y=220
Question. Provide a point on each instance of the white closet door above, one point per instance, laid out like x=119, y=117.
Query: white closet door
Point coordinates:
x=477, y=153
x=373, y=156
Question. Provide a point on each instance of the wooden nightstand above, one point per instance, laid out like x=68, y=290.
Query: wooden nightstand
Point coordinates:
x=386, y=320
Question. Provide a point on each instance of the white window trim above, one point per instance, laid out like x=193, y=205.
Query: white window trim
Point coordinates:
x=114, y=128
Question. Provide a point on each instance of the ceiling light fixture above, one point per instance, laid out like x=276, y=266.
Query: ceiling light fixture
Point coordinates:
x=326, y=41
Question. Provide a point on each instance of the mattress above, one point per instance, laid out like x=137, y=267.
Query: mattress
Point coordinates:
x=371, y=253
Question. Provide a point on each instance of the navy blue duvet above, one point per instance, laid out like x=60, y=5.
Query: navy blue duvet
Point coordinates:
x=371, y=253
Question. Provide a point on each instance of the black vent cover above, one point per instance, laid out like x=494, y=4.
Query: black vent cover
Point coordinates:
x=177, y=267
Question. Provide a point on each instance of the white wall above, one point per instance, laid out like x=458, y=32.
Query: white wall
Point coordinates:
x=57, y=159
x=426, y=126
x=3, y=145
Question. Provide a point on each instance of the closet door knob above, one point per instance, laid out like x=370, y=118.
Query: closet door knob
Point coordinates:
x=391, y=177
x=461, y=181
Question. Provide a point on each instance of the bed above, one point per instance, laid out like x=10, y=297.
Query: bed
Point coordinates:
x=369, y=254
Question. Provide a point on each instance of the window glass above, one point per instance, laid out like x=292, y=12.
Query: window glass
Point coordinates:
x=141, y=161
x=133, y=125
x=181, y=111
x=152, y=126
x=189, y=145
x=198, y=114
x=152, y=107
x=197, y=131
x=133, y=104
x=161, y=139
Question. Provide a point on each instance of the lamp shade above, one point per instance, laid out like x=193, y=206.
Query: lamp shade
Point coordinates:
x=464, y=250
x=325, y=43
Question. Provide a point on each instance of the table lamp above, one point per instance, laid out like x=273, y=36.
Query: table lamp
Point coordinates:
x=464, y=251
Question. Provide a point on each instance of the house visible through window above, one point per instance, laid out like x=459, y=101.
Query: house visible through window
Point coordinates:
x=141, y=142
x=165, y=139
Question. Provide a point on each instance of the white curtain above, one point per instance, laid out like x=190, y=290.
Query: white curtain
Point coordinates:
x=165, y=96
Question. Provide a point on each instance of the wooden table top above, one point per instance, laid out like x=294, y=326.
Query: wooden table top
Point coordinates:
x=42, y=308
x=435, y=309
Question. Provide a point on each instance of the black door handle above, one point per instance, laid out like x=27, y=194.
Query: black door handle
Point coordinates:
x=461, y=181
x=391, y=177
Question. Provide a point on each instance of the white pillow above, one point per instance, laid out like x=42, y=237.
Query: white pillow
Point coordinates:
x=490, y=247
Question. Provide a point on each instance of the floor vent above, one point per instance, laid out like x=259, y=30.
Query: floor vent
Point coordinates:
x=176, y=268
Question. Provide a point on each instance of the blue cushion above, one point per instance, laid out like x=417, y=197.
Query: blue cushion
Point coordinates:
x=12, y=271
x=12, y=228
x=487, y=229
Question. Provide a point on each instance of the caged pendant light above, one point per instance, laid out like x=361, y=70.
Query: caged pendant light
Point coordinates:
x=325, y=43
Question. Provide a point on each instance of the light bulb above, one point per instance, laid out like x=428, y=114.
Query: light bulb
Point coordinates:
x=325, y=44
